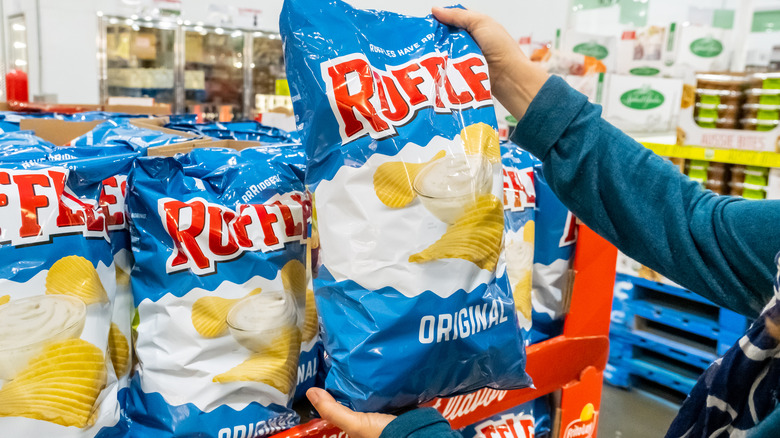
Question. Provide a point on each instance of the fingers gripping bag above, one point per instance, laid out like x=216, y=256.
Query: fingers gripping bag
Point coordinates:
x=403, y=161
x=519, y=205
x=57, y=288
x=555, y=241
x=219, y=283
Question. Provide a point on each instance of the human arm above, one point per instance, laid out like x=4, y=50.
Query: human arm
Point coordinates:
x=418, y=423
x=720, y=247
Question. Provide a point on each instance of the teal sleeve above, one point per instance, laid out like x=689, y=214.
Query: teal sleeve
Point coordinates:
x=768, y=427
x=419, y=423
x=720, y=247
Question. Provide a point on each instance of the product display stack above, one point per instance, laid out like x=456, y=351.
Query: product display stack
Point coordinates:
x=254, y=210
x=189, y=278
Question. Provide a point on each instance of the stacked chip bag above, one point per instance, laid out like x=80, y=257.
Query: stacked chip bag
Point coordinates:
x=24, y=148
x=123, y=131
x=119, y=341
x=219, y=283
x=57, y=287
x=248, y=130
x=527, y=420
x=403, y=162
x=555, y=239
x=519, y=205
x=310, y=364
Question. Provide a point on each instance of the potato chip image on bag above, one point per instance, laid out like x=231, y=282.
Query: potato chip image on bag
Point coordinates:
x=403, y=161
x=219, y=283
x=57, y=290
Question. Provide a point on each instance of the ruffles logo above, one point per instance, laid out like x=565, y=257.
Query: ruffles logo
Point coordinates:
x=204, y=233
x=36, y=205
x=366, y=100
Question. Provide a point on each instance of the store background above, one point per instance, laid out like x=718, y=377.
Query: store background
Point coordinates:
x=62, y=36
x=62, y=56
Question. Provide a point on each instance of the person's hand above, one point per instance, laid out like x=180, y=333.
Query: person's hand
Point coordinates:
x=514, y=79
x=355, y=424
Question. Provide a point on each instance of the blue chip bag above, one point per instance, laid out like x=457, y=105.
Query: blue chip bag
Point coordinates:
x=57, y=291
x=122, y=131
x=24, y=147
x=219, y=284
x=556, y=236
x=87, y=116
x=527, y=420
x=403, y=161
x=519, y=205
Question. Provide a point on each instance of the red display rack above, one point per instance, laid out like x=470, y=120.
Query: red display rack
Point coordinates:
x=572, y=363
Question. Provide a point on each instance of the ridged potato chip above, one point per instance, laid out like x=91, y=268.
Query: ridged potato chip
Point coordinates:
x=75, y=276
x=119, y=349
x=522, y=295
x=276, y=366
x=481, y=138
x=60, y=385
x=209, y=314
x=294, y=279
x=122, y=277
x=475, y=236
x=311, y=324
x=393, y=181
x=528, y=231
x=4, y=299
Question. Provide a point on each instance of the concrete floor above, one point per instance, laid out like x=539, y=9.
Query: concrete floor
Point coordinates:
x=634, y=414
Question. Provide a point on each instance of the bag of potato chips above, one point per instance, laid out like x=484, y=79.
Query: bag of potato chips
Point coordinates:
x=403, y=162
x=219, y=283
x=57, y=289
x=556, y=236
x=519, y=204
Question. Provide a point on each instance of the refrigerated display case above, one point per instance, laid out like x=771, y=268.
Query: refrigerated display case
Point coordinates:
x=269, y=81
x=214, y=72
x=139, y=58
x=197, y=68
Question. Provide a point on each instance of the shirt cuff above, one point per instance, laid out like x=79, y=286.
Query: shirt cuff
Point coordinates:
x=414, y=421
x=550, y=113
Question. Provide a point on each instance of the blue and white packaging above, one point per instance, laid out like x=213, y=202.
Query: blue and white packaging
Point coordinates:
x=57, y=290
x=528, y=420
x=556, y=238
x=122, y=131
x=219, y=283
x=403, y=161
x=519, y=205
x=24, y=147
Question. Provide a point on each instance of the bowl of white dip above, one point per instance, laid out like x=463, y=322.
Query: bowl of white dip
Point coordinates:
x=446, y=186
x=29, y=324
x=257, y=320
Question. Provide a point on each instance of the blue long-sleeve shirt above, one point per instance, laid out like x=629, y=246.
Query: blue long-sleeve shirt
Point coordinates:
x=720, y=247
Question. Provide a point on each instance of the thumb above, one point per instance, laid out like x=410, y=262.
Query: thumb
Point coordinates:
x=333, y=411
x=457, y=17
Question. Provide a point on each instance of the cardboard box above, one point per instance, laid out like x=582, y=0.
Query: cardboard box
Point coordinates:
x=185, y=147
x=157, y=109
x=61, y=132
x=690, y=133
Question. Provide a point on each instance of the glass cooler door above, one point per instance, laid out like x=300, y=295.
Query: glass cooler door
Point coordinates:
x=139, y=57
x=214, y=73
